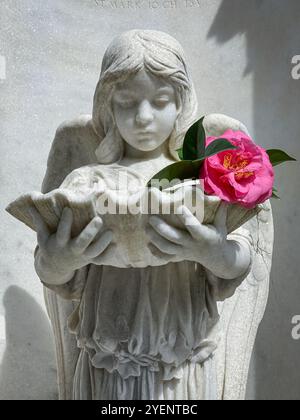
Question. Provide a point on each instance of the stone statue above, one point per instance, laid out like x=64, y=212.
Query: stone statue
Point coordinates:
x=182, y=327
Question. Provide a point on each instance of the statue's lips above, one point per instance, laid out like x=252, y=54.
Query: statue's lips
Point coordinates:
x=146, y=134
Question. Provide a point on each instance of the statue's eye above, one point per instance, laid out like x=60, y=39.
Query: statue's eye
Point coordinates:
x=161, y=101
x=126, y=103
x=124, y=100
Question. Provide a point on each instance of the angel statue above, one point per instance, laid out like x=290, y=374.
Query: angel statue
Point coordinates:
x=157, y=311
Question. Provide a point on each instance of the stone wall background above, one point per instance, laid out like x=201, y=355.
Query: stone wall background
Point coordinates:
x=240, y=57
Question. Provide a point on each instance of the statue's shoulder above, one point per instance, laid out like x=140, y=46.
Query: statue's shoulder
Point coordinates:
x=217, y=124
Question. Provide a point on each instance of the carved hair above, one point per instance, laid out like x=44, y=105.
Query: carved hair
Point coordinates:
x=161, y=55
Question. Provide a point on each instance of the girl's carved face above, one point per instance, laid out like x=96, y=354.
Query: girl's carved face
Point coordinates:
x=145, y=110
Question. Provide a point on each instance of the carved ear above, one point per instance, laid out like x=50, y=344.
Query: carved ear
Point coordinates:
x=111, y=148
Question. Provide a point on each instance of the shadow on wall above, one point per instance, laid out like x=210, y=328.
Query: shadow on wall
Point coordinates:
x=28, y=369
x=271, y=28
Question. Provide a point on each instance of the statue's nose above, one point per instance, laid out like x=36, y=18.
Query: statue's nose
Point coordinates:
x=144, y=114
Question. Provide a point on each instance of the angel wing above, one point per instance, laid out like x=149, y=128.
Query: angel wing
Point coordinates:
x=241, y=314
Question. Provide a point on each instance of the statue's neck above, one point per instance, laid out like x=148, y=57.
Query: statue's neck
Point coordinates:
x=140, y=155
x=147, y=163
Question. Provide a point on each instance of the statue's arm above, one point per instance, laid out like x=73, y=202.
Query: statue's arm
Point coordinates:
x=225, y=288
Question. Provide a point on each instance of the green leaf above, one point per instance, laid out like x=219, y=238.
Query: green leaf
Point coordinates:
x=217, y=146
x=180, y=153
x=279, y=156
x=194, y=141
x=274, y=195
x=185, y=169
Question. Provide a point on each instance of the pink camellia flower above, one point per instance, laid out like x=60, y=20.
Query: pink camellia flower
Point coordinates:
x=244, y=175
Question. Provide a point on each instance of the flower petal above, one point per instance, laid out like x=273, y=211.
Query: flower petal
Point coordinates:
x=243, y=176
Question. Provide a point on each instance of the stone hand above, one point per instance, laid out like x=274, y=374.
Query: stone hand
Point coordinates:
x=204, y=244
x=59, y=255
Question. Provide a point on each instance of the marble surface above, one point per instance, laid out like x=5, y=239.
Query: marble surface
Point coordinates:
x=53, y=49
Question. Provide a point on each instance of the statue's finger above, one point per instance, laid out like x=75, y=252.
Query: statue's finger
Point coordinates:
x=87, y=235
x=163, y=244
x=220, y=221
x=41, y=227
x=100, y=245
x=159, y=254
x=192, y=224
x=106, y=257
x=63, y=233
x=167, y=231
